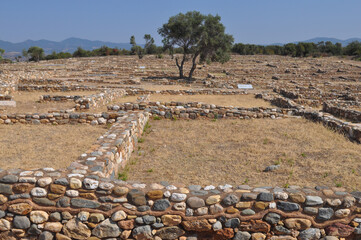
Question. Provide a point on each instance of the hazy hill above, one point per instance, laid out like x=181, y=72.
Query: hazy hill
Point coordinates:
x=325, y=39
x=67, y=45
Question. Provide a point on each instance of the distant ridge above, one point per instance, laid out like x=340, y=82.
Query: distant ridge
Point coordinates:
x=325, y=39
x=67, y=45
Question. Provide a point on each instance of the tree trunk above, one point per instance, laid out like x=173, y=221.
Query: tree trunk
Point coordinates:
x=180, y=66
x=194, y=65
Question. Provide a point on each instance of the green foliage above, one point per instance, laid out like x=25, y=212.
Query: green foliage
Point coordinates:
x=35, y=53
x=201, y=37
x=140, y=140
x=301, y=49
x=136, y=50
x=1, y=53
x=150, y=170
x=156, y=117
x=60, y=55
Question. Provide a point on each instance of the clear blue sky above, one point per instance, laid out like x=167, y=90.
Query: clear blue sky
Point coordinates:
x=252, y=21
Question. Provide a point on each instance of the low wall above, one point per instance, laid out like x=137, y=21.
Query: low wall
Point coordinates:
x=194, y=110
x=338, y=111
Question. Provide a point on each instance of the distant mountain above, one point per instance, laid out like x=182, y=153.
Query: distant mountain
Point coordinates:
x=325, y=39
x=67, y=45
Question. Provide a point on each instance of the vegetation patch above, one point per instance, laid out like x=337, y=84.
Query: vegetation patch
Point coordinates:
x=235, y=152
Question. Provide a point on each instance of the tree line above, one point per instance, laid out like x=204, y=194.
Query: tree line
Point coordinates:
x=301, y=49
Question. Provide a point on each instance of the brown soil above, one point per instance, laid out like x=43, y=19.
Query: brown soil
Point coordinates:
x=32, y=146
x=237, y=151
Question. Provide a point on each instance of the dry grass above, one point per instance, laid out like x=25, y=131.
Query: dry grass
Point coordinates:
x=221, y=100
x=27, y=102
x=235, y=152
x=31, y=146
x=154, y=87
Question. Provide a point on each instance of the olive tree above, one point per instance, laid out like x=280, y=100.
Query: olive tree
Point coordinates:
x=201, y=37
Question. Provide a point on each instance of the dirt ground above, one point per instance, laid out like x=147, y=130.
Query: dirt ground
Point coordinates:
x=236, y=152
x=246, y=101
x=37, y=146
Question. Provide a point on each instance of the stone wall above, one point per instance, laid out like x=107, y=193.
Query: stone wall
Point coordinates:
x=339, y=111
x=43, y=204
x=194, y=110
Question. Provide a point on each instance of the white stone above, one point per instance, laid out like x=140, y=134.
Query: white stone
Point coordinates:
x=209, y=187
x=180, y=206
x=281, y=195
x=27, y=180
x=222, y=187
x=106, y=185
x=178, y=197
x=91, y=158
x=139, y=185
x=72, y=193
x=49, y=169
x=75, y=175
x=4, y=225
x=272, y=205
x=38, y=217
x=119, y=215
x=171, y=187
x=342, y=213
x=166, y=194
x=38, y=174
x=38, y=192
x=26, y=173
x=42, y=182
x=90, y=183
x=120, y=200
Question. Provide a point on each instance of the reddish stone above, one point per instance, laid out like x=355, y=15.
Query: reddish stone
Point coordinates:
x=126, y=225
x=197, y=225
x=21, y=187
x=339, y=229
x=255, y=226
x=224, y=234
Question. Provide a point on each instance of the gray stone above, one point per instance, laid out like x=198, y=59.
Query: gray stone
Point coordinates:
x=2, y=214
x=106, y=229
x=19, y=196
x=62, y=181
x=242, y=236
x=46, y=236
x=44, y=201
x=232, y=223
x=287, y=206
x=55, y=217
x=310, y=210
x=9, y=179
x=313, y=200
x=34, y=230
x=217, y=226
x=272, y=168
x=139, y=220
x=249, y=196
x=149, y=219
x=282, y=230
x=310, y=234
x=21, y=222
x=143, y=232
x=143, y=208
x=189, y=212
x=195, y=202
x=84, y=203
x=199, y=193
x=63, y=202
x=265, y=197
x=272, y=218
x=329, y=238
x=157, y=225
x=230, y=200
x=248, y=212
x=5, y=189
x=325, y=214
x=194, y=187
x=161, y=205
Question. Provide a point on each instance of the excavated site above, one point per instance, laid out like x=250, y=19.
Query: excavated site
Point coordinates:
x=261, y=147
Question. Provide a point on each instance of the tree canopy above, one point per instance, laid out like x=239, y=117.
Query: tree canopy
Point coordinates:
x=35, y=53
x=201, y=37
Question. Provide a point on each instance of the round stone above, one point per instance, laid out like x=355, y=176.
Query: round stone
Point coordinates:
x=38, y=217
x=38, y=192
x=75, y=183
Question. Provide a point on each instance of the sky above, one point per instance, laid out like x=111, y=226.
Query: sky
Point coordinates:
x=252, y=21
